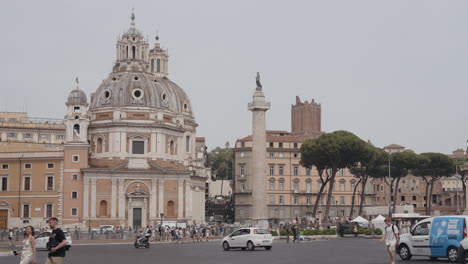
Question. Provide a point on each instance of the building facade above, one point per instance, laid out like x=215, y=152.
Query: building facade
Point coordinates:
x=291, y=189
x=129, y=156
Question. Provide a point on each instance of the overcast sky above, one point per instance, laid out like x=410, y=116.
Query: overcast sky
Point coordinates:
x=388, y=71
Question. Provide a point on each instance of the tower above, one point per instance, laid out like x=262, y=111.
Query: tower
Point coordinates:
x=259, y=106
x=306, y=118
x=158, y=60
x=71, y=191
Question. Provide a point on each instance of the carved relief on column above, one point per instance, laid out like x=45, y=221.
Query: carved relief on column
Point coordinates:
x=93, y=197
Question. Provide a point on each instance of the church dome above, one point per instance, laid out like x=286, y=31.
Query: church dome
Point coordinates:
x=77, y=97
x=141, y=89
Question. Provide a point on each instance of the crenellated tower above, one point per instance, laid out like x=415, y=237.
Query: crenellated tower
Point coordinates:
x=306, y=118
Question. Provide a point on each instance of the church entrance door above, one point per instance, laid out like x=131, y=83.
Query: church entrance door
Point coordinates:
x=136, y=217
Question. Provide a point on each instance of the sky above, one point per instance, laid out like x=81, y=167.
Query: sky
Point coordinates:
x=388, y=71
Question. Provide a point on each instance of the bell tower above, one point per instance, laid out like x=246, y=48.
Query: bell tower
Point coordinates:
x=158, y=60
x=76, y=120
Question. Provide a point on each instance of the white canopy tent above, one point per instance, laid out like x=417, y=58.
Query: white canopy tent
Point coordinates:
x=361, y=221
x=379, y=222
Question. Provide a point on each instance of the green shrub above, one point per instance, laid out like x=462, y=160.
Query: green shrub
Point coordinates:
x=368, y=232
x=282, y=232
x=378, y=231
x=273, y=233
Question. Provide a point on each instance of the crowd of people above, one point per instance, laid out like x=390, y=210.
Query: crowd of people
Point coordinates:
x=180, y=234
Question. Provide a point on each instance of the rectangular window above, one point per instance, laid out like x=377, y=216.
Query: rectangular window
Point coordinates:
x=281, y=185
x=242, y=170
x=414, y=197
x=308, y=201
x=295, y=144
x=272, y=154
x=76, y=109
x=50, y=165
x=272, y=170
x=12, y=120
x=296, y=200
x=74, y=211
x=74, y=195
x=4, y=183
x=12, y=135
x=272, y=185
x=281, y=155
x=307, y=171
x=27, y=183
x=48, y=212
x=74, y=177
x=242, y=144
x=44, y=136
x=50, y=183
x=402, y=198
x=309, y=187
x=75, y=158
x=242, y=187
x=281, y=199
x=296, y=170
x=342, y=186
x=295, y=155
x=5, y=166
x=281, y=170
x=138, y=147
x=27, y=166
x=280, y=145
x=187, y=144
x=272, y=199
x=60, y=137
x=25, y=210
x=27, y=135
x=271, y=145
x=342, y=200
x=242, y=154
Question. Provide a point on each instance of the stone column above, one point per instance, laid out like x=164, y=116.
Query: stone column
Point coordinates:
x=188, y=200
x=86, y=198
x=153, y=143
x=121, y=199
x=161, y=197
x=93, y=197
x=259, y=106
x=180, y=201
x=123, y=142
x=114, y=198
x=153, y=200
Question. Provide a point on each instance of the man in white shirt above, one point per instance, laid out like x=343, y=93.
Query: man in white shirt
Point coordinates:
x=391, y=237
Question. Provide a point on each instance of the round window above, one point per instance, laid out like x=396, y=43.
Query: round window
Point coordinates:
x=164, y=97
x=136, y=78
x=185, y=106
x=107, y=94
x=137, y=93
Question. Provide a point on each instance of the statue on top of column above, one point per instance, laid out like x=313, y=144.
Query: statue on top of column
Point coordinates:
x=259, y=85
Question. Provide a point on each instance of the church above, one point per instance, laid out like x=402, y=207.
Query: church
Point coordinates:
x=128, y=156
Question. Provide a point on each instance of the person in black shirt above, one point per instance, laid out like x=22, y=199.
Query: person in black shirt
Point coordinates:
x=56, y=244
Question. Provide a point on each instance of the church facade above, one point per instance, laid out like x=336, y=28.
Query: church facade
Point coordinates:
x=130, y=153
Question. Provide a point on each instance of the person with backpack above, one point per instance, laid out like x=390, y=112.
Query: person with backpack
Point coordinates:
x=391, y=237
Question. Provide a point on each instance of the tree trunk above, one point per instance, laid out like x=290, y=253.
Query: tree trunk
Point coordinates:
x=464, y=192
x=395, y=196
x=353, y=199
x=427, y=194
x=390, y=198
x=324, y=184
x=330, y=193
x=363, y=192
x=430, y=196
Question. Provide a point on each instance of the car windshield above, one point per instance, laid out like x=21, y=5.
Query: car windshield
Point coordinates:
x=261, y=231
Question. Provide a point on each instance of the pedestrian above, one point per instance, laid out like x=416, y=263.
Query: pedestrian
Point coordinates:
x=294, y=231
x=56, y=244
x=391, y=238
x=10, y=236
x=287, y=232
x=355, y=230
x=28, y=253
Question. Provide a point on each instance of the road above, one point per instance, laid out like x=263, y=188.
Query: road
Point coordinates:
x=347, y=250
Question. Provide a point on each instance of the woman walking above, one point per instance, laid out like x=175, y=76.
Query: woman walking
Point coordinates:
x=28, y=253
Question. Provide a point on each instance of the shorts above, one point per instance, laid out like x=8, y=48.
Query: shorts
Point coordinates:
x=54, y=260
x=391, y=245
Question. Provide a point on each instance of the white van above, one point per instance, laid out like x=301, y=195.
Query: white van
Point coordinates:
x=435, y=237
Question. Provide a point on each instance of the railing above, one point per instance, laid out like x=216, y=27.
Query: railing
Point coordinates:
x=259, y=104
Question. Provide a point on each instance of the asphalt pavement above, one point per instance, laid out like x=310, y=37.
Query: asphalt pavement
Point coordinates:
x=344, y=250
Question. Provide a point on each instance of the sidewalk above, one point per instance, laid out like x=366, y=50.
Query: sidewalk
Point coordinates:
x=5, y=244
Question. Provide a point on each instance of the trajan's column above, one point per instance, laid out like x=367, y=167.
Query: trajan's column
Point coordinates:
x=259, y=106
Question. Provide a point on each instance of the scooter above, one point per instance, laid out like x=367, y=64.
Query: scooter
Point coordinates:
x=141, y=242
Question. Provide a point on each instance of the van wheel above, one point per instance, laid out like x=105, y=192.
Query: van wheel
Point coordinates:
x=268, y=248
x=452, y=254
x=226, y=246
x=250, y=246
x=404, y=252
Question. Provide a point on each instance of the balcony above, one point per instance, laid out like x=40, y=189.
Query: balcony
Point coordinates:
x=259, y=105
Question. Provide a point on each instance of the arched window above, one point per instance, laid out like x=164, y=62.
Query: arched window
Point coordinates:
x=158, y=65
x=170, y=209
x=126, y=53
x=99, y=145
x=133, y=52
x=272, y=184
x=103, y=208
x=172, y=148
x=76, y=131
x=152, y=65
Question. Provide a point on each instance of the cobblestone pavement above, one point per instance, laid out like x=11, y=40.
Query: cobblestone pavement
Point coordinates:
x=348, y=250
